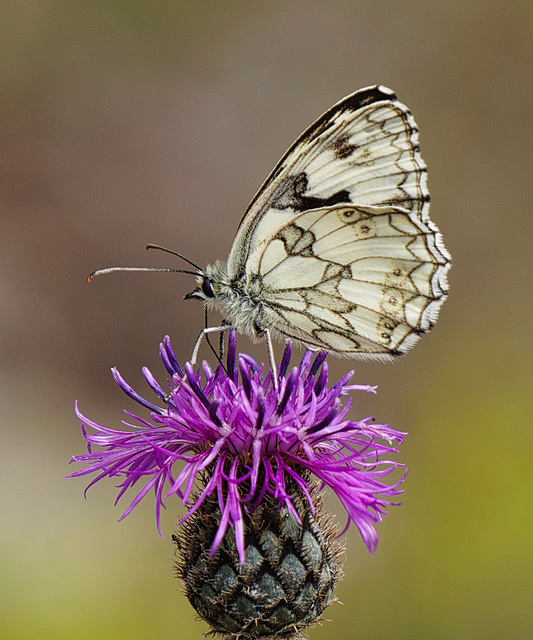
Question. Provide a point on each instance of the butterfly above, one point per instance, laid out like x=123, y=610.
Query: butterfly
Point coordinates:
x=336, y=250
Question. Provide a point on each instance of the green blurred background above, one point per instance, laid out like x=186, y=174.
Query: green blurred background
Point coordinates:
x=124, y=123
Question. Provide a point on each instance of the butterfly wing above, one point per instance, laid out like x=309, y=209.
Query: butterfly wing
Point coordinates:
x=364, y=150
x=336, y=249
x=356, y=280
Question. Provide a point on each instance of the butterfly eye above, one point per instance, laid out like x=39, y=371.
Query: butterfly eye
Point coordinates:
x=207, y=289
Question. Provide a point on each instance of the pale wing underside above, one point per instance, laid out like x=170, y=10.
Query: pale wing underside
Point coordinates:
x=336, y=249
x=353, y=280
x=363, y=151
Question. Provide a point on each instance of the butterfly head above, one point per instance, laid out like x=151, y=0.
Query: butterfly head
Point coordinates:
x=204, y=290
x=212, y=283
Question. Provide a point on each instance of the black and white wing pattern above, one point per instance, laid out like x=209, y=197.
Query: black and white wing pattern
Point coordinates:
x=336, y=250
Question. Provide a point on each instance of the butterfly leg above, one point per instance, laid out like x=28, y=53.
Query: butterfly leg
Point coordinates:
x=272, y=360
x=203, y=333
x=227, y=327
x=221, y=349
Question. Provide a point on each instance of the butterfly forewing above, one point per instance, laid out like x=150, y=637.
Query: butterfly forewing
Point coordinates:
x=364, y=150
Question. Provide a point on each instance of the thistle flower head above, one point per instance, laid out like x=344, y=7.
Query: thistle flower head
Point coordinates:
x=245, y=440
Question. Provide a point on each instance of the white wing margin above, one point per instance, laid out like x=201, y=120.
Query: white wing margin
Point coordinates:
x=353, y=279
x=364, y=151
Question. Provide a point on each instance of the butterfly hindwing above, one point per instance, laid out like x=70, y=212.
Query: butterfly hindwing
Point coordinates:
x=353, y=279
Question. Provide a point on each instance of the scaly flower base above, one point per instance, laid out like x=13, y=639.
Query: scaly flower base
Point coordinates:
x=287, y=578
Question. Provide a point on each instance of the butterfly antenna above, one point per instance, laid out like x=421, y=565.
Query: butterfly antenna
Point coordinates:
x=101, y=272
x=174, y=253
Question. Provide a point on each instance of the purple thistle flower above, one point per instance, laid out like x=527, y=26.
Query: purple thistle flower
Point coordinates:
x=230, y=428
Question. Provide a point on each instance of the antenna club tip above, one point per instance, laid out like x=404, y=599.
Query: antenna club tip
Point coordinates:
x=90, y=277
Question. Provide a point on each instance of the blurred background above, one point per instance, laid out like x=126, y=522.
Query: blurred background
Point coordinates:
x=128, y=122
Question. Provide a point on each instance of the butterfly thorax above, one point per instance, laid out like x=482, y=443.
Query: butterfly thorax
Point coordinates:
x=240, y=300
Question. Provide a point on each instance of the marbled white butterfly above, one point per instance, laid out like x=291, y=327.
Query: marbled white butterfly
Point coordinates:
x=336, y=250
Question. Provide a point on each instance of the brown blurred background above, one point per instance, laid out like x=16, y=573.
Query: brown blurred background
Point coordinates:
x=127, y=122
